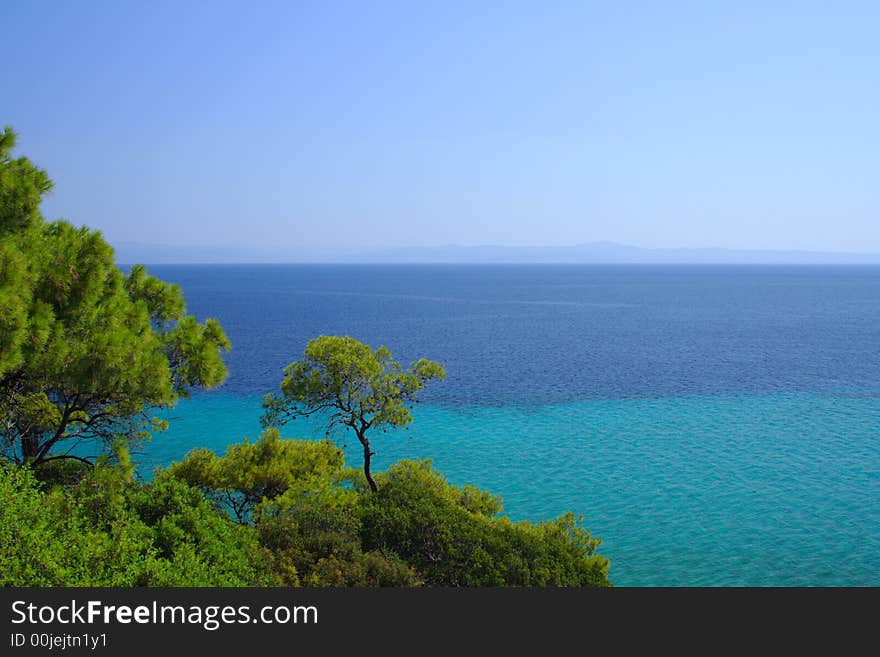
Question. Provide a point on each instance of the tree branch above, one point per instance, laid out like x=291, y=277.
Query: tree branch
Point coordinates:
x=64, y=456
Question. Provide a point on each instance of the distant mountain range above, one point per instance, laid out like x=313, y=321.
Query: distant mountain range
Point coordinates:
x=593, y=252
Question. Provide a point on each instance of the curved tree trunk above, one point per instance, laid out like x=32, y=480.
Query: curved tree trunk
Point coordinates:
x=368, y=453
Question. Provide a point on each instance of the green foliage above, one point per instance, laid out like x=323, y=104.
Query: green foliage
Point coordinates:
x=250, y=473
x=353, y=385
x=316, y=529
x=200, y=546
x=38, y=545
x=85, y=352
x=22, y=186
x=320, y=530
x=294, y=493
x=97, y=526
x=106, y=530
x=453, y=542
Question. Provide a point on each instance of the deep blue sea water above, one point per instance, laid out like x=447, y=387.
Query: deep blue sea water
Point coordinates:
x=715, y=425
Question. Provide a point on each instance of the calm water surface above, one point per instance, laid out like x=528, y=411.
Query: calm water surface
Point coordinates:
x=714, y=425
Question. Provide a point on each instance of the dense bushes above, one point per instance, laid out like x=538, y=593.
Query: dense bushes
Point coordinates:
x=274, y=512
x=452, y=538
x=107, y=530
x=324, y=527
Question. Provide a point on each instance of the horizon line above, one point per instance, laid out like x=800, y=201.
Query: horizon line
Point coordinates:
x=490, y=245
x=350, y=263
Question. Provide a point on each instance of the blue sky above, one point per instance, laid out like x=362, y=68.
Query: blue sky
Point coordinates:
x=372, y=124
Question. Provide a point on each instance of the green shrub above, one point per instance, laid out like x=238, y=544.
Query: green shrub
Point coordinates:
x=321, y=528
x=109, y=531
x=454, y=541
x=316, y=530
x=305, y=523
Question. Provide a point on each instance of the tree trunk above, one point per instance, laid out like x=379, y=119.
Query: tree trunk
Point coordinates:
x=367, y=455
x=30, y=447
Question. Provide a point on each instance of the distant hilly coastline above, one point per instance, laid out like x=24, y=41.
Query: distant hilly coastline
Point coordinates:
x=590, y=253
x=611, y=253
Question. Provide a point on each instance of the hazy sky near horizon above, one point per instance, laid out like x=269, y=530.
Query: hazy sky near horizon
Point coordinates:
x=360, y=125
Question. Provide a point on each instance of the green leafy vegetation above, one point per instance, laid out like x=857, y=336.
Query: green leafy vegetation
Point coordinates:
x=87, y=353
x=453, y=537
x=352, y=385
x=253, y=472
x=108, y=530
x=322, y=526
x=310, y=522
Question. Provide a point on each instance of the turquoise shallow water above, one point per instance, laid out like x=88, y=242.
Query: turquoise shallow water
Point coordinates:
x=765, y=489
x=715, y=425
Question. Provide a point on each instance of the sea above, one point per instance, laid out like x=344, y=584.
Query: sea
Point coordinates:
x=714, y=425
